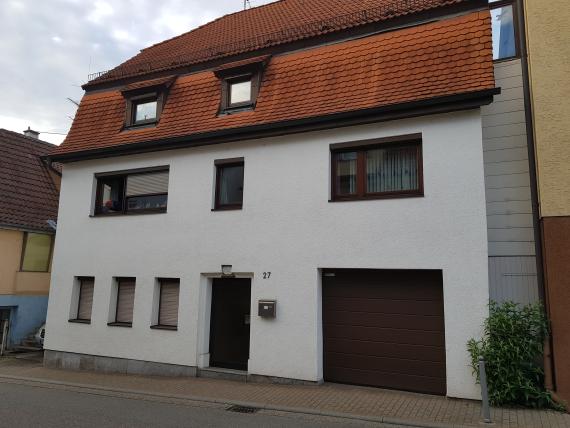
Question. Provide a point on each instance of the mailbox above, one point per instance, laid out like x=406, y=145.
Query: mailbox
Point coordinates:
x=266, y=308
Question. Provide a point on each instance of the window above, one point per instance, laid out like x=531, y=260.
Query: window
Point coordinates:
x=168, y=304
x=125, y=302
x=377, y=171
x=240, y=92
x=145, y=101
x=36, y=252
x=504, y=28
x=145, y=111
x=229, y=184
x=85, y=301
x=132, y=192
x=240, y=83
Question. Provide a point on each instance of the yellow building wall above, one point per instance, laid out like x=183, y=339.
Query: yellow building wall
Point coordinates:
x=12, y=281
x=548, y=40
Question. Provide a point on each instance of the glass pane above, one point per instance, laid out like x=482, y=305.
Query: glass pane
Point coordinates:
x=145, y=111
x=231, y=185
x=146, y=184
x=503, y=32
x=240, y=92
x=392, y=170
x=36, y=252
x=346, y=173
x=111, y=198
x=147, y=202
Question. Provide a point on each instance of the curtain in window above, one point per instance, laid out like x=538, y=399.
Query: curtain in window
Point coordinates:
x=346, y=173
x=391, y=170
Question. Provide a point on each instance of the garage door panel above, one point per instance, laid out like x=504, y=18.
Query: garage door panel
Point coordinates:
x=385, y=349
x=387, y=306
x=363, y=319
x=384, y=328
x=425, y=384
x=392, y=335
x=387, y=365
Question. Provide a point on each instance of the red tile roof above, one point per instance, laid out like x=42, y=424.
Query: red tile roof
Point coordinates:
x=269, y=25
x=447, y=57
x=28, y=192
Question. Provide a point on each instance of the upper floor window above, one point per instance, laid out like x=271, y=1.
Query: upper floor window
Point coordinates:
x=145, y=111
x=36, y=252
x=145, y=101
x=240, y=83
x=229, y=184
x=132, y=192
x=504, y=28
x=381, y=170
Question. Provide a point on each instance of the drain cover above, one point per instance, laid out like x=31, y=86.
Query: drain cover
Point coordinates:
x=242, y=409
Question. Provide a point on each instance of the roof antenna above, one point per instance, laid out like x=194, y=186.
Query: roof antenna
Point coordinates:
x=246, y=4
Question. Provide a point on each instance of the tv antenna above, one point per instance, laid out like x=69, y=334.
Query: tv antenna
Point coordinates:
x=246, y=4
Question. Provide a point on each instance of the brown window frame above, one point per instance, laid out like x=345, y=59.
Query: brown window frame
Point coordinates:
x=159, y=326
x=220, y=165
x=123, y=175
x=121, y=323
x=227, y=105
x=25, y=244
x=80, y=279
x=139, y=95
x=143, y=99
x=361, y=172
x=514, y=3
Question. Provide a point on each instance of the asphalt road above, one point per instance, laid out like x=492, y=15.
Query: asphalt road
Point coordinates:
x=33, y=406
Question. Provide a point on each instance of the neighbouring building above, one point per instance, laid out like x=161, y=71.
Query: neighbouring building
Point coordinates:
x=303, y=191
x=547, y=34
x=29, y=192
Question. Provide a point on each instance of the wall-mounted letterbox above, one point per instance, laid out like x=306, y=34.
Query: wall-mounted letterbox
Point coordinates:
x=267, y=308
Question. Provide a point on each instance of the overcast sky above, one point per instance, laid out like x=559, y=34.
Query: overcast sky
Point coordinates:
x=48, y=47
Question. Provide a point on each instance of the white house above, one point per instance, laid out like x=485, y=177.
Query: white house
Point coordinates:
x=304, y=205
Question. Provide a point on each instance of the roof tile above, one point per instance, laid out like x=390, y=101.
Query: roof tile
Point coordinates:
x=437, y=59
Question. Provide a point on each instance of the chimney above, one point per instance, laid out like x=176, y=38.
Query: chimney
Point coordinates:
x=31, y=133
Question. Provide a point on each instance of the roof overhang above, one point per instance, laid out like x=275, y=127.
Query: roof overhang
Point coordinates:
x=437, y=105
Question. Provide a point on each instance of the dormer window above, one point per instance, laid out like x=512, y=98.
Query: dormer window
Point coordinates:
x=240, y=84
x=145, y=101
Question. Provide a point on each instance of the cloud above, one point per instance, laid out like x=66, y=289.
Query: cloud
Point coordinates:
x=48, y=48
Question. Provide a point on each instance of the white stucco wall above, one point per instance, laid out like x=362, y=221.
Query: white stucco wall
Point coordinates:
x=287, y=227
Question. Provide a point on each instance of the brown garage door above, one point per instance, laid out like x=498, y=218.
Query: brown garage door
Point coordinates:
x=384, y=328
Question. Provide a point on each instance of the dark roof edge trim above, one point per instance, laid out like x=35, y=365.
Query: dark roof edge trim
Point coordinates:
x=424, y=107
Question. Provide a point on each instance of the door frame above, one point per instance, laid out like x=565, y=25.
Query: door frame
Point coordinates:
x=205, y=311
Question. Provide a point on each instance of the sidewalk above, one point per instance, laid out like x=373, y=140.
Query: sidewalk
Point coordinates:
x=329, y=399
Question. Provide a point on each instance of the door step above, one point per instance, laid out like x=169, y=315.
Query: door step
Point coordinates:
x=221, y=373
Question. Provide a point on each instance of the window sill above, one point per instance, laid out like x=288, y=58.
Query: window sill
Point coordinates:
x=510, y=58
x=375, y=197
x=164, y=327
x=129, y=213
x=120, y=324
x=228, y=208
x=76, y=321
x=237, y=109
x=142, y=125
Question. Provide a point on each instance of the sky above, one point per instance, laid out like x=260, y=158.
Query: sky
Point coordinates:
x=49, y=47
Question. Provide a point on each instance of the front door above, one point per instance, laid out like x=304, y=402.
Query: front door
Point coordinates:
x=229, y=323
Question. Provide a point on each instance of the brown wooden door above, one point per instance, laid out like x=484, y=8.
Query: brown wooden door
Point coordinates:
x=229, y=323
x=384, y=328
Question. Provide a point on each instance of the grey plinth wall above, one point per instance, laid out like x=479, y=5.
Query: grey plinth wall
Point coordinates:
x=71, y=361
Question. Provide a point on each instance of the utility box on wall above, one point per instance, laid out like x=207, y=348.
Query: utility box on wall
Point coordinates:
x=267, y=308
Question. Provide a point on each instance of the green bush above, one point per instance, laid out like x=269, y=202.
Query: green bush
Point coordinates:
x=512, y=347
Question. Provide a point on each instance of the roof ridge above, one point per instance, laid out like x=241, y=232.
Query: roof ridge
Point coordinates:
x=30, y=139
x=211, y=22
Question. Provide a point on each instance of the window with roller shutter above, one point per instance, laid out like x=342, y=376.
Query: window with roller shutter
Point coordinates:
x=125, y=302
x=85, y=303
x=168, y=304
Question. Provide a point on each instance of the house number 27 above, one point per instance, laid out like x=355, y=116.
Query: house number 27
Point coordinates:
x=266, y=275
